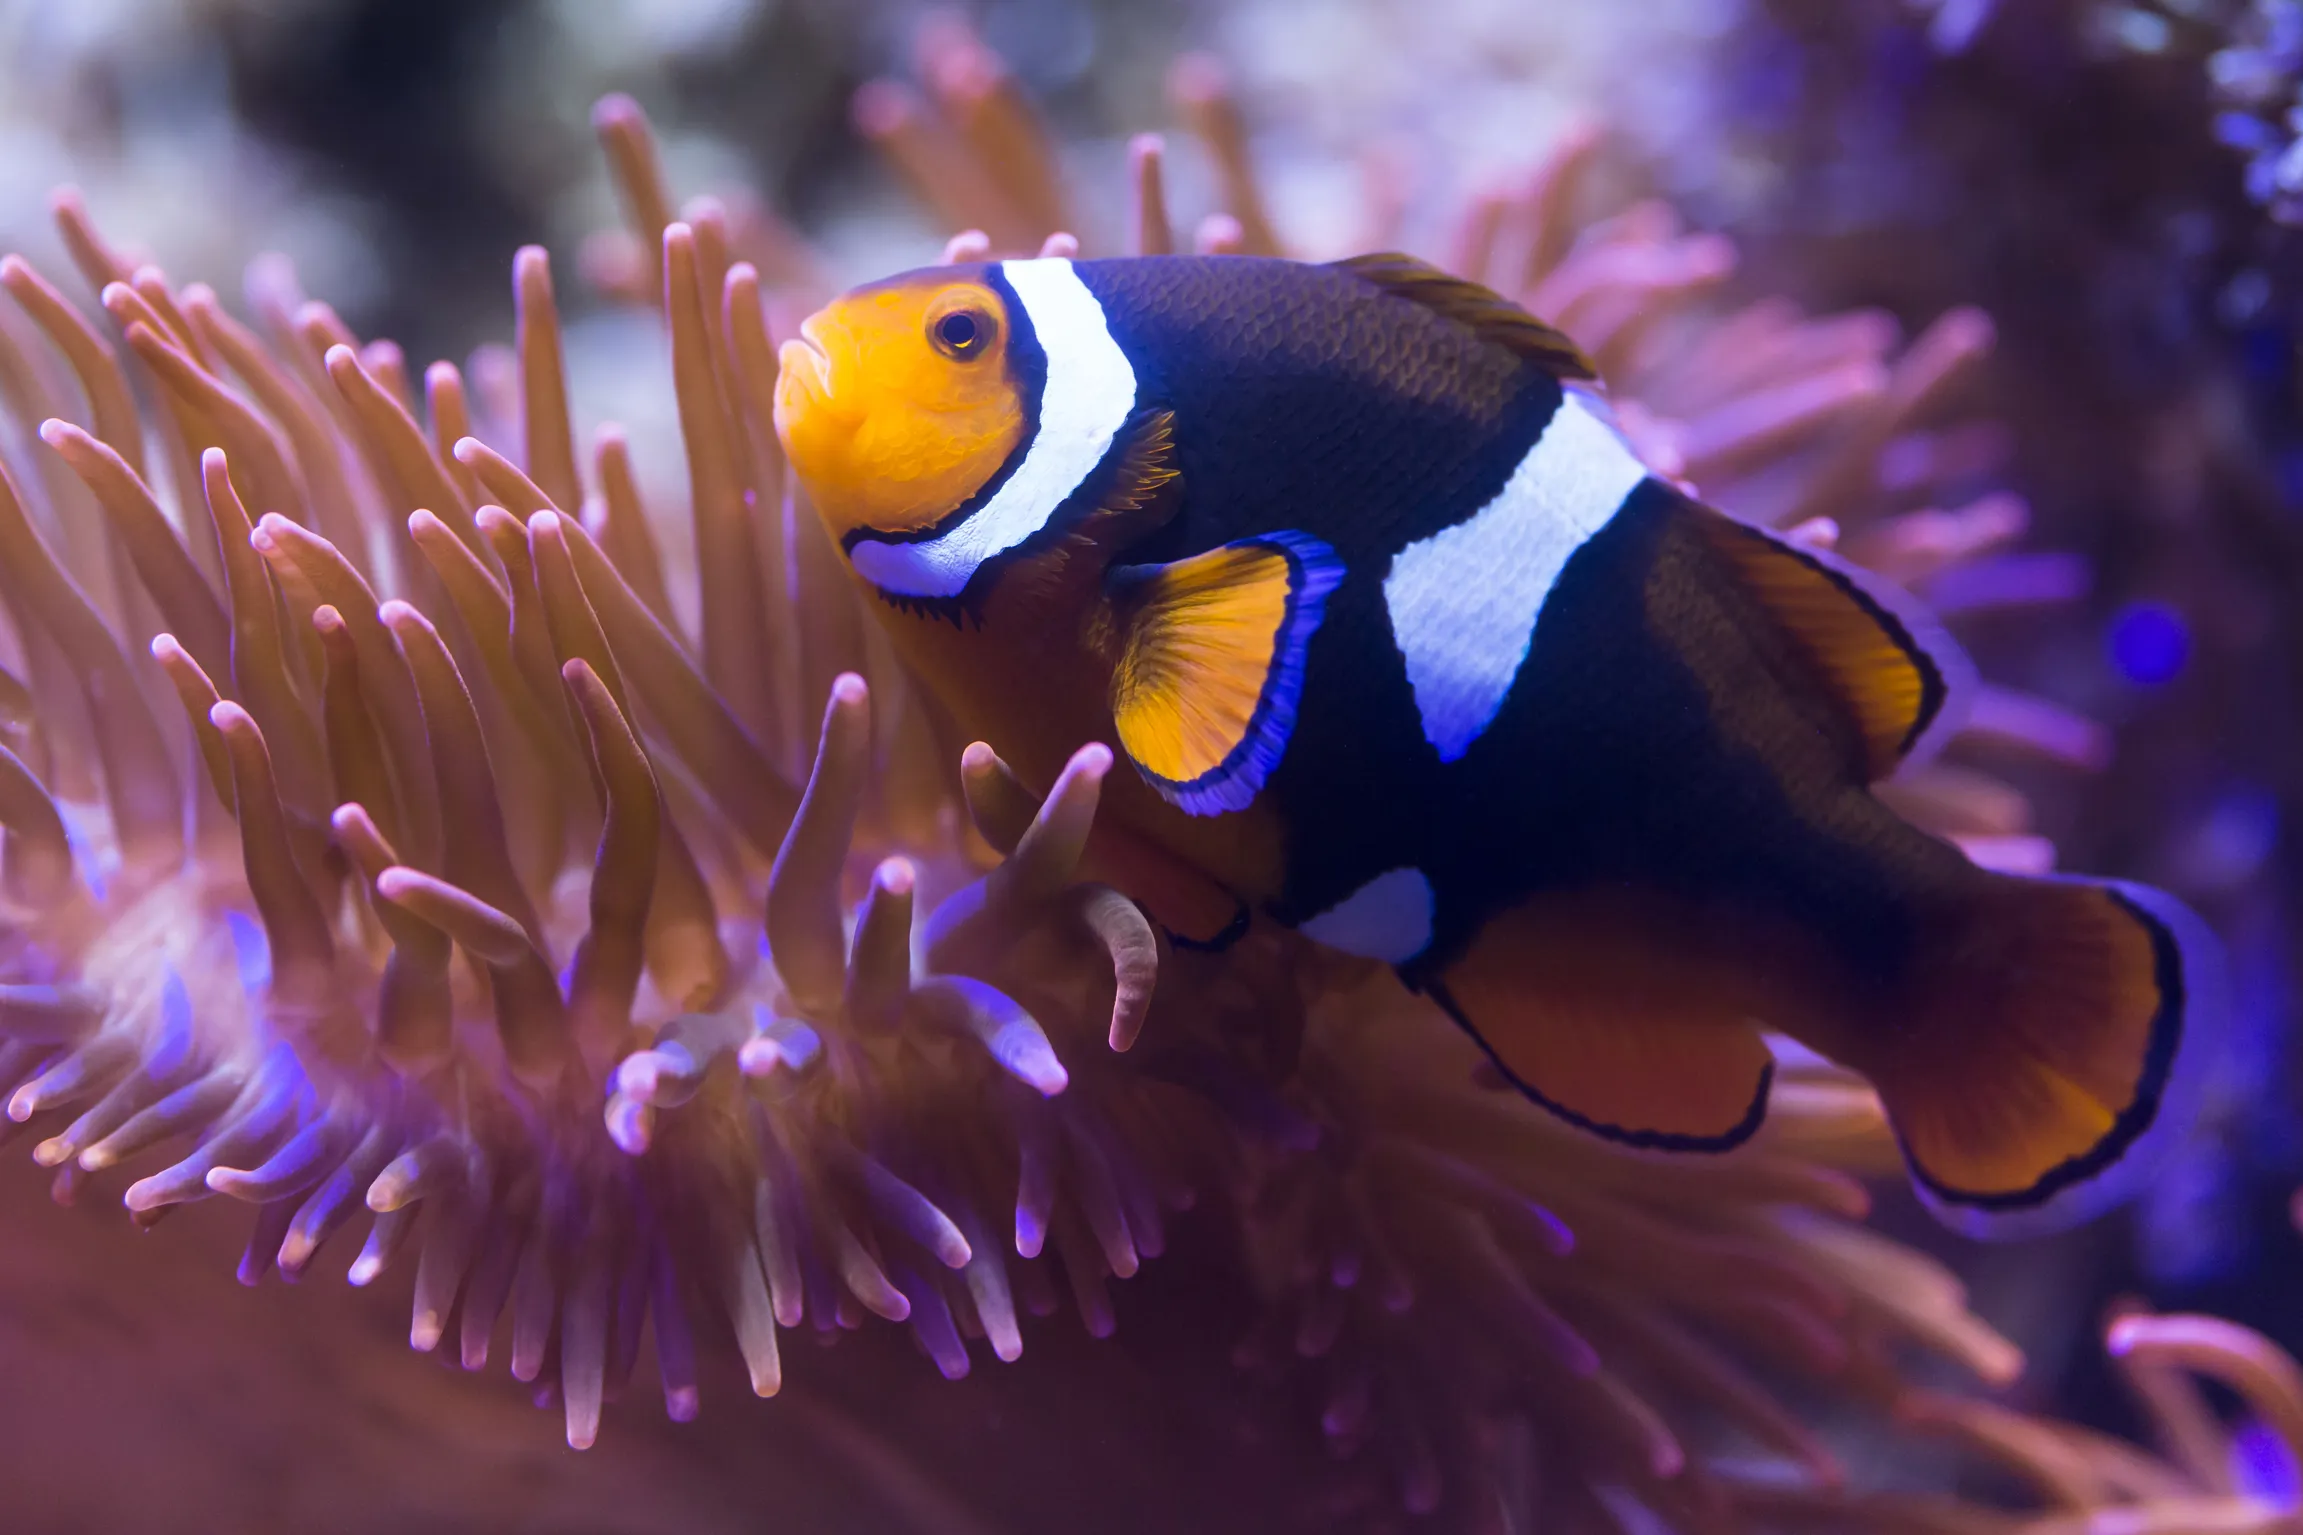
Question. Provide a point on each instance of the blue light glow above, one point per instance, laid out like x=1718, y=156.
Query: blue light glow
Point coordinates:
x=2149, y=643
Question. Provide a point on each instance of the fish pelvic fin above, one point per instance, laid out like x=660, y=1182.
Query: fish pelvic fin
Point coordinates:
x=1204, y=693
x=2054, y=1046
x=1890, y=670
x=1584, y=1003
x=1484, y=312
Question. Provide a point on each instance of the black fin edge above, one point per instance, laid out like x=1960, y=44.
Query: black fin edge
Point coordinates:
x=2133, y=1121
x=1227, y=935
x=1934, y=688
x=1642, y=1140
x=1313, y=573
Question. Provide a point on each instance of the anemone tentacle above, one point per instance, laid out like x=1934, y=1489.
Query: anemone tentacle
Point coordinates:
x=432, y=870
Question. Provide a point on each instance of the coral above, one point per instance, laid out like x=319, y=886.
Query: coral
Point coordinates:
x=438, y=867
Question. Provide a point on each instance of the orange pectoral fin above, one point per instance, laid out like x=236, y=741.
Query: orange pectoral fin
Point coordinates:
x=1204, y=694
x=1589, y=1009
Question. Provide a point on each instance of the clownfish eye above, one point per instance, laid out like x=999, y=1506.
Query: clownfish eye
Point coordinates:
x=962, y=334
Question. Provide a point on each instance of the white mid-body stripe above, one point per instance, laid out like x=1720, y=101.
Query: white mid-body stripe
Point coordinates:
x=1089, y=394
x=1388, y=918
x=1464, y=601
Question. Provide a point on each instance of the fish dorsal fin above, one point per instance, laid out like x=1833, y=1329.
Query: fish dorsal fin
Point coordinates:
x=1888, y=668
x=1212, y=662
x=1484, y=312
x=1621, y=1013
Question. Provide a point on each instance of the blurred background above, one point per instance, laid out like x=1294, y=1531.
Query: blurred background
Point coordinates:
x=2110, y=181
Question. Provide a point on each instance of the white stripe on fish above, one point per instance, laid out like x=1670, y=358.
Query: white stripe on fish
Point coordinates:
x=1464, y=602
x=1085, y=402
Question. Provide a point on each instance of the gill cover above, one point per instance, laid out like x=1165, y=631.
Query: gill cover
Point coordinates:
x=899, y=401
x=981, y=449
x=1204, y=696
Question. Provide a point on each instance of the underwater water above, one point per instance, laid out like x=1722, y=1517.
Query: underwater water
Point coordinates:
x=472, y=827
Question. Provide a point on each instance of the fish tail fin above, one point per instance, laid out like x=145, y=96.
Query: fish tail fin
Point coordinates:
x=2052, y=1049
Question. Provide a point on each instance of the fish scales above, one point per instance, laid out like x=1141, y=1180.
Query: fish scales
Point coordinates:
x=1409, y=651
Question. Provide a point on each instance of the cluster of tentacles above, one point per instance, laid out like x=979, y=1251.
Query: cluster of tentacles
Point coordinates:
x=383, y=838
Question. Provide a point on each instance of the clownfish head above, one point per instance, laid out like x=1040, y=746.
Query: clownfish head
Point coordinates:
x=898, y=402
x=942, y=418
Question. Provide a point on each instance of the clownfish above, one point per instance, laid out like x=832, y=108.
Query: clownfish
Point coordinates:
x=1408, y=650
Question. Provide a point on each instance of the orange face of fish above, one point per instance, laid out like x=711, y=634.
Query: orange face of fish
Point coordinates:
x=897, y=404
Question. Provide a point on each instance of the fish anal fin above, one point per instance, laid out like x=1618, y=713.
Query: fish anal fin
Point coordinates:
x=1888, y=676
x=2051, y=1031
x=1211, y=664
x=1483, y=311
x=1587, y=1007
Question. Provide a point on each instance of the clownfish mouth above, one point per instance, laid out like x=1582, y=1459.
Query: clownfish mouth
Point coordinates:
x=885, y=427
x=804, y=361
x=809, y=419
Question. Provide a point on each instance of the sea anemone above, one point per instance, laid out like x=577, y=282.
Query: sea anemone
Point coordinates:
x=638, y=979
